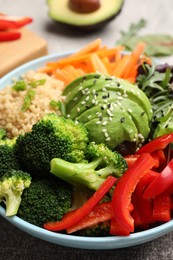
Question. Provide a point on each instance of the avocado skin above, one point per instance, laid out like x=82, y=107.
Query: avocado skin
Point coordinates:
x=88, y=28
x=85, y=28
x=124, y=115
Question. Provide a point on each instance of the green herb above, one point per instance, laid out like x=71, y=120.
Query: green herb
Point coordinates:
x=158, y=87
x=156, y=44
x=58, y=105
x=132, y=31
x=19, y=86
x=3, y=133
x=37, y=83
x=27, y=99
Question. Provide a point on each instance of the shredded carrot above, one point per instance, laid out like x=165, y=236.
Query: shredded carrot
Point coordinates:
x=97, y=58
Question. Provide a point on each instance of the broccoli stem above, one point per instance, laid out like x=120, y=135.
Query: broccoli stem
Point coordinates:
x=12, y=202
x=79, y=175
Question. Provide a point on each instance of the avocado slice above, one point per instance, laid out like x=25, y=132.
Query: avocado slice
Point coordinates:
x=121, y=128
x=102, y=85
x=136, y=113
x=61, y=12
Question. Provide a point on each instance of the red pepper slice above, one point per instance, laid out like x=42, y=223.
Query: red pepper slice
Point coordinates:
x=118, y=230
x=158, y=143
x=13, y=22
x=101, y=213
x=83, y=211
x=130, y=159
x=162, y=207
x=126, y=185
x=161, y=183
x=9, y=35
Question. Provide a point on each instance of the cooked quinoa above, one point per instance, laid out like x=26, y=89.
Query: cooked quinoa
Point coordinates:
x=12, y=118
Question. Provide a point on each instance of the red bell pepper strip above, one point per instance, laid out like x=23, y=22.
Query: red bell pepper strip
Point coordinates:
x=160, y=158
x=144, y=206
x=156, y=144
x=13, y=22
x=126, y=185
x=162, y=207
x=101, y=213
x=9, y=35
x=83, y=211
x=161, y=183
x=130, y=159
x=118, y=230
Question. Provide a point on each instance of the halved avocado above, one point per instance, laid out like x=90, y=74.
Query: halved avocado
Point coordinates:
x=63, y=14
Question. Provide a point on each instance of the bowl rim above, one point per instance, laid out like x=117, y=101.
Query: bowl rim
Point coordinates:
x=108, y=242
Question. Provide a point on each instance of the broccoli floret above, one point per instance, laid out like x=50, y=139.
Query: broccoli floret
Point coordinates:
x=3, y=133
x=100, y=230
x=45, y=200
x=8, y=158
x=51, y=137
x=12, y=185
x=102, y=162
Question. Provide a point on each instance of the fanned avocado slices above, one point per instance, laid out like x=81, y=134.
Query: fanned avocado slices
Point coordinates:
x=112, y=109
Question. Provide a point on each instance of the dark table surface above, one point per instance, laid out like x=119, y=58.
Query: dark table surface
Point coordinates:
x=14, y=243
x=17, y=245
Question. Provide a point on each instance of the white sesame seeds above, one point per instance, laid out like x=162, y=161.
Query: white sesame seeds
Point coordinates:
x=68, y=115
x=78, y=109
x=98, y=122
x=83, y=102
x=87, y=98
x=129, y=110
x=104, y=123
x=108, y=139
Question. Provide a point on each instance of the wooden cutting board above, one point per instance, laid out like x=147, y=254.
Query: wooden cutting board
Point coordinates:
x=14, y=53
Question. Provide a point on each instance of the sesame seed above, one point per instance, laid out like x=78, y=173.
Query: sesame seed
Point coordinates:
x=68, y=115
x=94, y=91
x=98, y=122
x=89, y=116
x=104, y=123
x=75, y=98
x=78, y=109
x=83, y=102
x=87, y=98
x=106, y=134
x=93, y=101
x=110, y=119
x=108, y=139
x=129, y=110
x=104, y=130
x=104, y=89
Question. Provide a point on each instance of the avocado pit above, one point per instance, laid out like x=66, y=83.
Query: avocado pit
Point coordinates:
x=84, y=6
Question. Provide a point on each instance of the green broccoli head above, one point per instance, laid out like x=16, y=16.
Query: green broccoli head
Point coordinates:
x=45, y=200
x=102, y=162
x=51, y=137
x=8, y=158
x=12, y=185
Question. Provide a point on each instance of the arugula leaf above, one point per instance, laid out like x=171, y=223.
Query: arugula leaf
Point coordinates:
x=159, y=89
x=156, y=44
x=132, y=31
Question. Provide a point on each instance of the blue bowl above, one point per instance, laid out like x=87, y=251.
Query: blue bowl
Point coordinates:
x=98, y=243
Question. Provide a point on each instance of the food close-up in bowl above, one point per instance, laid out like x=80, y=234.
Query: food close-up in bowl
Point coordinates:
x=86, y=152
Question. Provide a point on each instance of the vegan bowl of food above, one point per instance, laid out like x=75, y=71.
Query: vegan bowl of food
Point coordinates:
x=86, y=156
